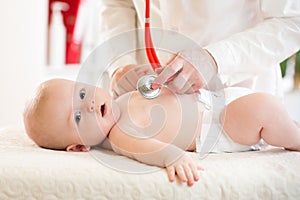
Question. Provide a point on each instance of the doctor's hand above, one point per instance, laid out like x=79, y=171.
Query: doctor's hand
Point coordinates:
x=186, y=170
x=125, y=79
x=192, y=69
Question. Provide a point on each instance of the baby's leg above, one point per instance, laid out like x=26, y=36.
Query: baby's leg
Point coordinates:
x=252, y=117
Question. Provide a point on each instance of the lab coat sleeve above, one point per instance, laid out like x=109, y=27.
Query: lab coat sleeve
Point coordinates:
x=265, y=45
x=117, y=17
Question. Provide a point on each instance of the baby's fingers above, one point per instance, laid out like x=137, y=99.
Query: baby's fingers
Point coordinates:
x=195, y=173
x=181, y=173
x=171, y=173
x=189, y=174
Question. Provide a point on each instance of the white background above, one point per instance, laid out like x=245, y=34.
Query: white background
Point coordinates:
x=22, y=54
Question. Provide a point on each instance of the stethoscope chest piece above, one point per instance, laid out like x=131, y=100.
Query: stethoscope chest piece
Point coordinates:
x=144, y=86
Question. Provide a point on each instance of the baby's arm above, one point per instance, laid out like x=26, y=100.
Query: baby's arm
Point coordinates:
x=154, y=152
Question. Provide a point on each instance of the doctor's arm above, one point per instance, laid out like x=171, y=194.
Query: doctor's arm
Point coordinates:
x=263, y=46
x=154, y=152
x=243, y=55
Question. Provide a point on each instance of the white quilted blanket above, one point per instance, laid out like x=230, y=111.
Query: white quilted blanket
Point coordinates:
x=29, y=172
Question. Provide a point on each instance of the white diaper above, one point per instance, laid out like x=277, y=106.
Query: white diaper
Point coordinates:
x=213, y=138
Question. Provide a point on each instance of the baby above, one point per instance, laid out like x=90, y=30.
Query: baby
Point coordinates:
x=66, y=115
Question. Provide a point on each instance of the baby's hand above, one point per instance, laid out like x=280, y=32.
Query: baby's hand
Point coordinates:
x=186, y=170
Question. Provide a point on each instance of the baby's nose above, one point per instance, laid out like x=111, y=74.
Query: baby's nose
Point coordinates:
x=91, y=105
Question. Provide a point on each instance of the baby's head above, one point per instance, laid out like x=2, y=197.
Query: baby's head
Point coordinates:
x=66, y=115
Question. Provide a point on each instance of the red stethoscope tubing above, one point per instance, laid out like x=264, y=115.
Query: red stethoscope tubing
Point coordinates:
x=151, y=54
x=150, y=50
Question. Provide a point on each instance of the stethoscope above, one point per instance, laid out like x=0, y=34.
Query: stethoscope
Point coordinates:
x=144, y=84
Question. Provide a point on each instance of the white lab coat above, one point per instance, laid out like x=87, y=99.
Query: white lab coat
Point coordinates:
x=247, y=38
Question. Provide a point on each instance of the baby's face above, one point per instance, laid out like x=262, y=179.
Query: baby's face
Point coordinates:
x=94, y=113
x=86, y=113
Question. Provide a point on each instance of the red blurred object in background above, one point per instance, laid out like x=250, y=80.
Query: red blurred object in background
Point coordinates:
x=73, y=47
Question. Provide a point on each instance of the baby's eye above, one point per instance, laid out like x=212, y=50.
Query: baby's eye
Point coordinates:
x=82, y=94
x=77, y=117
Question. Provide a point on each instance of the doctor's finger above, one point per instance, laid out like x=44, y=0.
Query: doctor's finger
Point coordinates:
x=128, y=83
x=193, y=85
x=168, y=72
x=183, y=81
x=178, y=85
x=190, y=90
x=142, y=70
x=115, y=94
x=187, y=88
x=130, y=80
x=123, y=87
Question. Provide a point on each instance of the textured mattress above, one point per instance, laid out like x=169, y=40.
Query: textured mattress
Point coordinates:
x=30, y=172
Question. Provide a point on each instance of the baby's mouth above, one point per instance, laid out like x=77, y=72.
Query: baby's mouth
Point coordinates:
x=102, y=109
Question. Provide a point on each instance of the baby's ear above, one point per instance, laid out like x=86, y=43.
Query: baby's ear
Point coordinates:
x=77, y=148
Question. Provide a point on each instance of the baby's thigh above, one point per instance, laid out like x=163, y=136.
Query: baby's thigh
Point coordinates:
x=242, y=119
